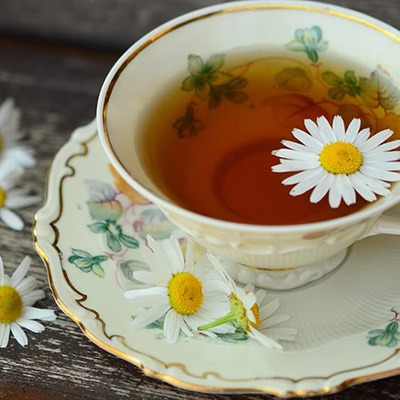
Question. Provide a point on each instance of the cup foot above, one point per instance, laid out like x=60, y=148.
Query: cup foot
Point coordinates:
x=285, y=278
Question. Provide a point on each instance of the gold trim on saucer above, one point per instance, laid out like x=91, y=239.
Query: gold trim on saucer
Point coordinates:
x=136, y=361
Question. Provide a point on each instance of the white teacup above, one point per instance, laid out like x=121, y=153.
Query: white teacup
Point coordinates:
x=278, y=257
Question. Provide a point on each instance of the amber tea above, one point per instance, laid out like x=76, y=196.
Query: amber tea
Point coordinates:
x=208, y=138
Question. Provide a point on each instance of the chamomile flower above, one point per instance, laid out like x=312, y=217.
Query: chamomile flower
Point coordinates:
x=11, y=148
x=339, y=162
x=252, y=312
x=12, y=198
x=186, y=293
x=17, y=296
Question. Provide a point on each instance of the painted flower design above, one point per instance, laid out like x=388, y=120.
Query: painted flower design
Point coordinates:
x=12, y=198
x=388, y=337
x=17, y=296
x=188, y=125
x=106, y=209
x=205, y=75
x=11, y=148
x=339, y=162
x=251, y=312
x=183, y=292
x=310, y=41
x=87, y=263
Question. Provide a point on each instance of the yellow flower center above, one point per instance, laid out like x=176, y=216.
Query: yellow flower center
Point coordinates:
x=185, y=293
x=3, y=197
x=341, y=158
x=11, y=306
x=240, y=314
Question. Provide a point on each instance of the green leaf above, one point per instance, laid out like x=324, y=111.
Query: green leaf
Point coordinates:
x=312, y=55
x=376, y=332
x=350, y=77
x=202, y=90
x=99, y=259
x=81, y=253
x=196, y=64
x=130, y=266
x=336, y=93
x=215, y=62
x=238, y=335
x=318, y=31
x=295, y=45
x=296, y=79
x=98, y=270
x=86, y=269
x=71, y=259
x=219, y=78
x=188, y=84
x=214, y=100
x=238, y=83
x=392, y=327
x=83, y=262
x=331, y=78
x=379, y=90
x=237, y=97
x=98, y=227
x=113, y=243
x=128, y=241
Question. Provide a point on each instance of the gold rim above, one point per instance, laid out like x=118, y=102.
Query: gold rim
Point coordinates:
x=136, y=361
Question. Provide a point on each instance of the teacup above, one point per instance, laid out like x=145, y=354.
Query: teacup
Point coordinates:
x=278, y=257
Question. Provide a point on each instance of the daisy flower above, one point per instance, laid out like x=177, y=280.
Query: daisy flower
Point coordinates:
x=17, y=295
x=339, y=161
x=252, y=312
x=186, y=293
x=10, y=136
x=12, y=198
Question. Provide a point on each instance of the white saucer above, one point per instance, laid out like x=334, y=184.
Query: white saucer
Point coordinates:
x=335, y=315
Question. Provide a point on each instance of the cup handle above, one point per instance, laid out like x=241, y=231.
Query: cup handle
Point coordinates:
x=389, y=224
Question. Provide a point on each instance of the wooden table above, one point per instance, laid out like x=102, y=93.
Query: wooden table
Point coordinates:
x=53, y=59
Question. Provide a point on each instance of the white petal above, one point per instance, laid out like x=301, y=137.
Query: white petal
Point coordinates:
x=14, y=202
x=374, y=156
x=11, y=219
x=183, y=326
x=296, y=165
x=295, y=155
x=149, y=316
x=313, y=128
x=307, y=139
x=20, y=272
x=326, y=130
x=32, y=297
x=353, y=129
x=307, y=184
x=375, y=140
x=21, y=156
x=338, y=127
x=282, y=333
x=380, y=174
x=335, y=195
x=33, y=326
x=391, y=145
x=26, y=285
x=322, y=188
x=189, y=254
x=264, y=340
x=4, y=335
x=268, y=309
x=383, y=165
x=171, y=327
x=361, y=188
x=19, y=334
x=274, y=320
x=362, y=137
x=9, y=175
x=297, y=146
x=347, y=190
x=260, y=295
x=153, y=291
x=38, y=313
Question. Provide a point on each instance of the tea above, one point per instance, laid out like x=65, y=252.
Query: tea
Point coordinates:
x=209, y=146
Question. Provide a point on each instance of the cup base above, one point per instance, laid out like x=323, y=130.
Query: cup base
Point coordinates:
x=285, y=278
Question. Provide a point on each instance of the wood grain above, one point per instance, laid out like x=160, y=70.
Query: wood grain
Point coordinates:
x=57, y=87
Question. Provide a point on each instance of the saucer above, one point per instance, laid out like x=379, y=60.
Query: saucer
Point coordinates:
x=347, y=320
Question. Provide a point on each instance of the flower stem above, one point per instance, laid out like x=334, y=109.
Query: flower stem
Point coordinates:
x=223, y=320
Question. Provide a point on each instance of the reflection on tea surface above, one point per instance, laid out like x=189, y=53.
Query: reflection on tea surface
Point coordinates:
x=207, y=140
